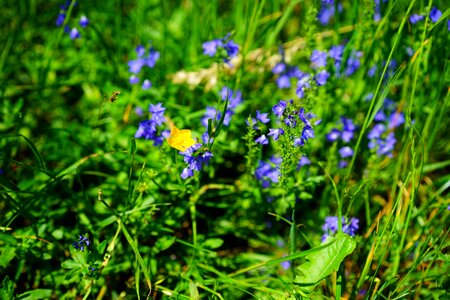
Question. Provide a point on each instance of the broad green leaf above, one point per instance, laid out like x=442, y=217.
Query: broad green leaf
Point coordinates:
x=6, y=255
x=193, y=291
x=322, y=263
x=36, y=294
x=71, y=264
x=7, y=289
x=213, y=243
x=164, y=243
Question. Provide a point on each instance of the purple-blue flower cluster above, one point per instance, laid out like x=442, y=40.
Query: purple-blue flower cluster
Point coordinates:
x=143, y=59
x=287, y=114
x=327, y=11
x=286, y=72
x=195, y=157
x=303, y=161
x=330, y=226
x=74, y=33
x=148, y=129
x=234, y=99
x=225, y=48
x=381, y=136
x=377, y=14
x=82, y=243
x=346, y=134
x=268, y=172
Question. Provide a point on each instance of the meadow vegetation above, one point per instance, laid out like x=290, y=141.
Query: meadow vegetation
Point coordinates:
x=286, y=149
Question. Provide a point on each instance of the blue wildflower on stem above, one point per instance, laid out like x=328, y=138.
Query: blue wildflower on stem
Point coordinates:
x=82, y=243
x=148, y=129
x=225, y=48
x=330, y=226
x=381, y=136
x=268, y=172
x=195, y=156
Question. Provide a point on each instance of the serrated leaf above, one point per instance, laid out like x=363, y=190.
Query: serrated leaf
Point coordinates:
x=322, y=263
x=36, y=294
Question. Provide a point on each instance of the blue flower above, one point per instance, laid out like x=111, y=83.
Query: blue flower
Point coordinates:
x=211, y=48
x=146, y=84
x=303, y=161
x=279, y=68
x=325, y=14
x=284, y=81
x=396, y=119
x=82, y=243
x=84, y=21
x=60, y=19
x=262, y=117
x=139, y=111
x=322, y=77
x=157, y=112
x=152, y=58
x=330, y=226
x=333, y=135
x=302, y=84
x=285, y=264
x=210, y=113
x=232, y=49
x=318, y=59
x=275, y=133
x=371, y=72
x=134, y=79
x=376, y=132
x=195, y=157
x=267, y=173
x=148, y=128
x=262, y=140
x=135, y=66
x=414, y=18
x=234, y=97
x=336, y=52
x=353, y=63
x=278, y=109
x=342, y=164
x=346, y=152
x=140, y=51
x=74, y=34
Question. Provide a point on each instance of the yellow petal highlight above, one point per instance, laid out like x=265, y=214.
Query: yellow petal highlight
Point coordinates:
x=180, y=139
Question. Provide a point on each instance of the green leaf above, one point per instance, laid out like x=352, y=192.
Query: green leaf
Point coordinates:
x=36, y=294
x=71, y=264
x=322, y=263
x=213, y=243
x=101, y=247
x=6, y=255
x=193, y=291
x=164, y=243
x=7, y=289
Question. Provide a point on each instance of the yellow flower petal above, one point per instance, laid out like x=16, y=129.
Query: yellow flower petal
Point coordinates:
x=180, y=139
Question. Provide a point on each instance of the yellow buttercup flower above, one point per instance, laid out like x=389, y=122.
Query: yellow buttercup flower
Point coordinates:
x=180, y=139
